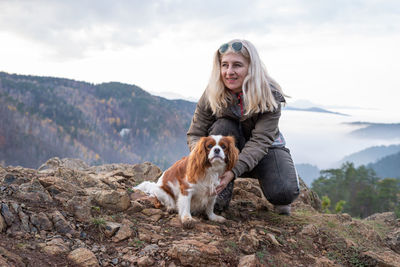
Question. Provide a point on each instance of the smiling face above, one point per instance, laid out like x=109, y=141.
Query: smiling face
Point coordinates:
x=234, y=69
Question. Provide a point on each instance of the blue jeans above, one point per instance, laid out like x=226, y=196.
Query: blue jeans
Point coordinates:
x=276, y=172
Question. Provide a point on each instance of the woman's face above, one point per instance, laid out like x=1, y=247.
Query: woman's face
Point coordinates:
x=234, y=68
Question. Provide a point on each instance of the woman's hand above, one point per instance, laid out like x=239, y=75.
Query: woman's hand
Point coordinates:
x=225, y=180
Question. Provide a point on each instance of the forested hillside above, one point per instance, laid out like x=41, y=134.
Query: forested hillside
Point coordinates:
x=357, y=191
x=42, y=117
x=388, y=166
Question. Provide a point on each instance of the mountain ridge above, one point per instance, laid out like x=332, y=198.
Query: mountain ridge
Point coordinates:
x=61, y=117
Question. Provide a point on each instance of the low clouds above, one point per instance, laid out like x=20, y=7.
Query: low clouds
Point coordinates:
x=71, y=28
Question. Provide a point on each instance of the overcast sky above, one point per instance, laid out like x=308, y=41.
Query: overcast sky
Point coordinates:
x=344, y=52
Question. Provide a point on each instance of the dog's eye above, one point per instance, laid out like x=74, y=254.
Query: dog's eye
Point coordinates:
x=209, y=146
x=223, y=146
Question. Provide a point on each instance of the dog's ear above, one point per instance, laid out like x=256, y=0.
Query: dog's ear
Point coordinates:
x=197, y=161
x=233, y=153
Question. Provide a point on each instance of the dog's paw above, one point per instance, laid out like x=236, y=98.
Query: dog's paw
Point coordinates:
x=171, y=210
x=188, y=222
x=217, y=218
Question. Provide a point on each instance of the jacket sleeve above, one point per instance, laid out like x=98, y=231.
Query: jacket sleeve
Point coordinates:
x=201, y=122
x=262, y=136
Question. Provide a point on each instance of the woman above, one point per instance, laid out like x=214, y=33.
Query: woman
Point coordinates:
x=242, y=100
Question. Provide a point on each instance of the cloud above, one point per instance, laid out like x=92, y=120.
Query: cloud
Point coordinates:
x=71, y=28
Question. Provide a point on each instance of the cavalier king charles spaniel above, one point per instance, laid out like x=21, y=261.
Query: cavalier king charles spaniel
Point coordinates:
x=190, y=184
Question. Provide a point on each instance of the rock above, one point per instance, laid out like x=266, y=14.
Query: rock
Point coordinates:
x=83, y=257
x=60, y=223
x=55, y=163
x=388, y=218
x=194, y=253
x=309, y=230
x=124, y=231
x=8, y=216
x=271, y=238
x=112, y=200
x=307, y=197
x=150, y=212
x=249, y=261
x=25, y=224
x=3, y=225
x=145, y=261
x=33, y=192
x=322, y=261
x=55, y=247
x=135, y=207
x=41, y=221
x=9, y=259
x=115, y=261
x=385, y=258
x=208, y=228
x=248, y=242
x=9, y=179
x=56, y=185
x=150, y=249
x=393, y=240
x=146, y=172
x=111, y=228
x=80, y=206
x=175, y=222
x=149, y=236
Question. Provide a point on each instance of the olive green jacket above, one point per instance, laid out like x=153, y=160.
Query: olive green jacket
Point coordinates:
x=261, y=128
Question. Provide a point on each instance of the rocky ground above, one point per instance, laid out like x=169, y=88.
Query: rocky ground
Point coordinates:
x=69, y=214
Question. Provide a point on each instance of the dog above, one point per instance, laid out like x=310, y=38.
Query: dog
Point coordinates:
x=189, y=185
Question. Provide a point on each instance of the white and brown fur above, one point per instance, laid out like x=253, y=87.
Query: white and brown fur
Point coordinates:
x=190, y=184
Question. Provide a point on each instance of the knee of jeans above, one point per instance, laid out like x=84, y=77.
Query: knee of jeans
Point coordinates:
x=225, y=126
x=285, y=196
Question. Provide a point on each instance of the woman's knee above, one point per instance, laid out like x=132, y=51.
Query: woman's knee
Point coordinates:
x=278, y=177
x=285, y=196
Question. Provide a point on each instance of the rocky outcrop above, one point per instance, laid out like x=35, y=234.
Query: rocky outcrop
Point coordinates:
x=68, y=213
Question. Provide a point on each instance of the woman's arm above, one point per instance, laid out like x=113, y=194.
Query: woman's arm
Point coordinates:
x=262, y=136
x=201, y=122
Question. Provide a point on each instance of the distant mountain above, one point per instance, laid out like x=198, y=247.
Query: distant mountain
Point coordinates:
x=377, y=130
x=315, y=109
x=174, y=96
x=388, y=166
x=43, y=117
x=308, y=172
x=371, y=154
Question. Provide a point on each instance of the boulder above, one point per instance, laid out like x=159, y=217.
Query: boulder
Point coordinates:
x=34, y=192
x=194, y=253
x=61, y=225
x=124, y=232
x=112, y=199
x=8, y=216
x=55, y=247
x=249, y=261
x=388, y=218
x=55, y=163
x=248, y=242
x=393, y=240
x=80, y=206
x=10, y=259
x=3, y=225
x=383, y=258
x=41, y=221
x=83, y=257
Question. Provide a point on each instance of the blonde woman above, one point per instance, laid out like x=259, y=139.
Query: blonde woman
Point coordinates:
x=242, y=100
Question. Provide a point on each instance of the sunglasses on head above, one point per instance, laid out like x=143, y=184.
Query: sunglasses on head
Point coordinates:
x=236, y=46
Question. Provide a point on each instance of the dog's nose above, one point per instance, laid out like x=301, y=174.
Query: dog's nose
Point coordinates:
x=217, y=150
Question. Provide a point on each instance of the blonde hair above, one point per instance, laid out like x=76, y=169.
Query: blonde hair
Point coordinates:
x=257, y=86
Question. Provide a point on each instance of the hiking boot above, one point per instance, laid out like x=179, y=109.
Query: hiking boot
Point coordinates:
x=282, y=209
